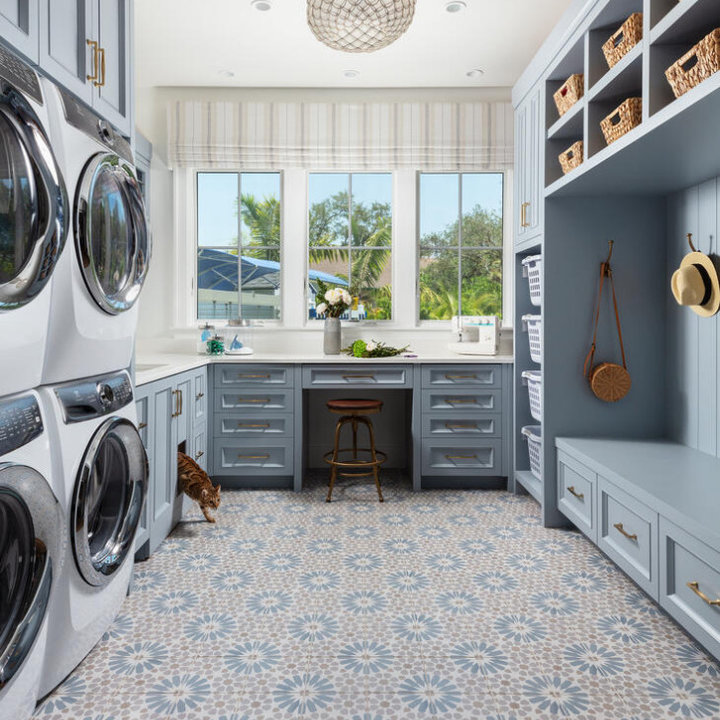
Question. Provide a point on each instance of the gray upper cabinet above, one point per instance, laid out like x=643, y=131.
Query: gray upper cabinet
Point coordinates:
x=65, y=54
x=19, y=26
x=528, y=183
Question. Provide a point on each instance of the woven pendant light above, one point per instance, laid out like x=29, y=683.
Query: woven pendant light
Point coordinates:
x=359, y=25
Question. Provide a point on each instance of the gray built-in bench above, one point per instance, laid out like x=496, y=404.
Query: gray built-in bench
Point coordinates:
x=653, y=507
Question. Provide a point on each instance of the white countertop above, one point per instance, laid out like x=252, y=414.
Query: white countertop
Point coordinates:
x=155, y=366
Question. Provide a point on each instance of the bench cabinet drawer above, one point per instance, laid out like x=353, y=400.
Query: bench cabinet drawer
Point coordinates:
x=260, y=425
x=484, y=400
x=253, y=375
x=253, y=457
x=462, y=375
x=253, y=400
x=461, y=458
x=690, y=584
x=399, y=376
x=576, y=493
x=627, y=533
x=459, y=425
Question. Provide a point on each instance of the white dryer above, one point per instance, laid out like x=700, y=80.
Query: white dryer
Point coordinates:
x=104, y=466
x=33, y=224
x=98, y=281
x=32, y=550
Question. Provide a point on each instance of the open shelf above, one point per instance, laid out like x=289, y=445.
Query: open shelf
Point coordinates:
x=553, y=148
x=530, y=483
x=572, y=63
x=570, y=125
x=688, y=22
x=623, y=80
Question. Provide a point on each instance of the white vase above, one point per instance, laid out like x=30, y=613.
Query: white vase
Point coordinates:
x=332, y=336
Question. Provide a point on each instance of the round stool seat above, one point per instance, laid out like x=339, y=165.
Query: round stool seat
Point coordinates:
x=354, y=406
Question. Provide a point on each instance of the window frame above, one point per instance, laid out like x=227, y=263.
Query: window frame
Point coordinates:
x=221, y=322
x=387, y=323
x=506, y=247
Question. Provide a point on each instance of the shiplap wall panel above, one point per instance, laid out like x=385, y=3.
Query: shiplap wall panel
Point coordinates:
x=693, y=343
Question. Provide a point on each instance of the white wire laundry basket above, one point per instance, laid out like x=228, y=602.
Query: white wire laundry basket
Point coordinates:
x=533, y=380
x=533, y=435
x=533, y=325
x=532, y=270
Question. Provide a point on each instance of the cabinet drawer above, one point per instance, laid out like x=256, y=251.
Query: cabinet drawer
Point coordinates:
x=688, y=567
x=449, y=425
x=253, y=401
x=399, y=376
x=627, y=533
x=253, y=426
x=253, y=375
x=461, y=375
x=576, y=493
x=253, y=457
x=485, y=400
x=462, y=458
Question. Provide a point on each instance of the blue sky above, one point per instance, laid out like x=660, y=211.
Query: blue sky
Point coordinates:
x=217, y=193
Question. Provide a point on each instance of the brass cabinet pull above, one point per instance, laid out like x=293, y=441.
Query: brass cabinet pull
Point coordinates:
x=180, y=402
x=461, y=457
x=261, y=401
x=358, y=377
x=461, y=426
x=461, y=377
x=93, y=44
x=461, y=401
x=176, y=411
x=695, y=587
x=575, y=493
x=199, y=454
x=523, y=215
x=263, y=426
x=621, y=529
x=100, y=82
x=142, y=426
x=254, y=376
x=253, y=457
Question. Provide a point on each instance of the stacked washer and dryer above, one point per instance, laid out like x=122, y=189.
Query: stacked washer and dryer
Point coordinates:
x=74, y=252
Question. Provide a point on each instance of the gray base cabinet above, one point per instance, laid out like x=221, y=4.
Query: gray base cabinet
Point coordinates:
x=651, y=507
x=171, y=417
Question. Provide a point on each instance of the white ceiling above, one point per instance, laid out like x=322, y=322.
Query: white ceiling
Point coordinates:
x=193, y=42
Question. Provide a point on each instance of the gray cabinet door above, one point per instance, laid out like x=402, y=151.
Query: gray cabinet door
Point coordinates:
x=65, y=28
x=199, y=445
x=112, y=98
x=164, y=464
x=520, y=171
x=529, y=180
x=145, y=406
x=19, y=26
x=184, y=410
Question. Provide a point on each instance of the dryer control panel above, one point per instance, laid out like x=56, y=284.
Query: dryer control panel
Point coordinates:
x=94, y=398
x=20, y=422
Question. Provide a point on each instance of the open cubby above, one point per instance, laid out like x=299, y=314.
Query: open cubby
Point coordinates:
x=572, y=63
x=689, y=22
x=598, y=111
x=624, y=79
x=553, y=148
x=659, y=9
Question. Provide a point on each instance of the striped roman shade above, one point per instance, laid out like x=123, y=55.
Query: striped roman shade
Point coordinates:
x=342, y=136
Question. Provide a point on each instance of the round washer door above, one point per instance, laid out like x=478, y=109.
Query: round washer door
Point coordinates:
x=109, y=495
x=113, y=243
x=33, y=204
x=25, y=563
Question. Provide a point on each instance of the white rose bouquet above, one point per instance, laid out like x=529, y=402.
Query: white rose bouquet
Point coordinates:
x=332, y=302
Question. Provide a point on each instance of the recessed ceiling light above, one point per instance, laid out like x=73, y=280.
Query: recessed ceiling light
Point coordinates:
x=475, y=73
x=351, y=74
x=454, y=6
x=226, y=73
x=262, y=5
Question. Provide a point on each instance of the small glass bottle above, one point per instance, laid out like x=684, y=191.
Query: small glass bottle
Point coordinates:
x=206, y=333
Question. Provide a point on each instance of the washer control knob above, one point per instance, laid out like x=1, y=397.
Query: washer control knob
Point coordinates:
x=105, y=394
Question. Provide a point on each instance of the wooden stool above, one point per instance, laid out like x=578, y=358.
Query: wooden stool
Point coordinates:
x=354, y=412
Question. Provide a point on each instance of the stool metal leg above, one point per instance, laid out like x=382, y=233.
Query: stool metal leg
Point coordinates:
x=376, y=469
x=333, y=472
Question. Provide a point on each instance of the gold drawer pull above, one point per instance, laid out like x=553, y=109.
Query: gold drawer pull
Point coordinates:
x=695, y=587
x=461, y=377
x=461, y=401
x=358, y=377
x=575, y=493
x=253, y=457
x=461, y=426
x=260, y=401
x=263, y=426
x=254, y=376
x=621, y=529
x=461, y=457
x=199, y=454
x=142, y=426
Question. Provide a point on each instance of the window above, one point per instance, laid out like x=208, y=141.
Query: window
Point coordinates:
x=238, y=245
x=460, y=270
x=350, y=239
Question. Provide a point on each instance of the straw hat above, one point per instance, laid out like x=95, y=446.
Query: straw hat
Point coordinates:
x=696, y=284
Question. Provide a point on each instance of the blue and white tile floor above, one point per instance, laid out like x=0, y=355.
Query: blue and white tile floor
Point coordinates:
x=447, y=604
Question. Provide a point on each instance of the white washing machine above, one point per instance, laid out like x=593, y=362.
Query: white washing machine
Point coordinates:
x=93, y=424
x=98, y=281
x=34, y=216
x=33, y=541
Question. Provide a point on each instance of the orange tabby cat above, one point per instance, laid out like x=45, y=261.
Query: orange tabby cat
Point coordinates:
x=196, y=484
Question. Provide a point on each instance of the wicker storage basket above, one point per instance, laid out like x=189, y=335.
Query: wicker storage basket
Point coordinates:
x=696, y=65
x=569, y=93
x=572, y=157
x=622, y=119
x=624, y=39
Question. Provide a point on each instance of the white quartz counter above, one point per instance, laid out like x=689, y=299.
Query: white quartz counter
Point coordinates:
x=155, y=366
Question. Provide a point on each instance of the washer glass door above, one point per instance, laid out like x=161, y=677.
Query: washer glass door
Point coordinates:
x=25, y=578
x=32, y=204
x=109, y=495
x=112, y=238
